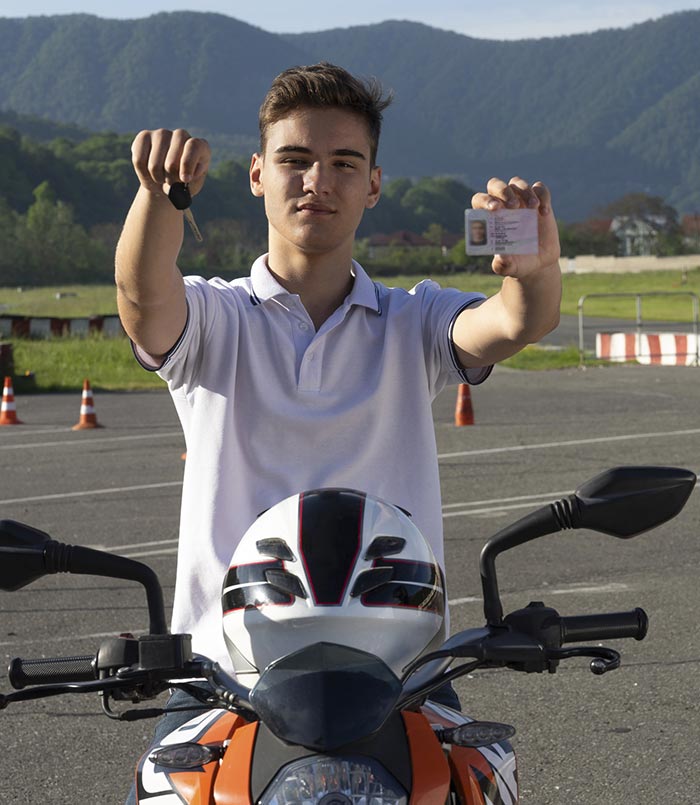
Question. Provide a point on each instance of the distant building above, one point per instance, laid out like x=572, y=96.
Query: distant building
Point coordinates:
x=380, y=244
x=636, y=236
x=690, y=229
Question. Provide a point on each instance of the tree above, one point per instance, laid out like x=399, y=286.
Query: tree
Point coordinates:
x=435, y=233
x=438, y=200
x=55, y=249
x=229, y=248
x=459, y=259
x=641, y=205
x=10, y=251
x=589, y=237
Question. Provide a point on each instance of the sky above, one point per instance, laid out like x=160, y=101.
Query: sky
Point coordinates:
x=485, y=19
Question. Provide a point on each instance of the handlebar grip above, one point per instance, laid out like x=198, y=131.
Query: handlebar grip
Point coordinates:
x=48, y=671
x=589, y=628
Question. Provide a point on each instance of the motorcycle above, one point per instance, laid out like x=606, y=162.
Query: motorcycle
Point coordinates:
x=330, y=723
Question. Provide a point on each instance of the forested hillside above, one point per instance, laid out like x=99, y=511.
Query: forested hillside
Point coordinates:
x=596, y=115
x=62, y=203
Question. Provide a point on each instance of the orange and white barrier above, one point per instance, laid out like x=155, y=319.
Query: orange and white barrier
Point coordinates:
x=44, y=327
x=88, y=417
x=651, y=349
x=8, y=409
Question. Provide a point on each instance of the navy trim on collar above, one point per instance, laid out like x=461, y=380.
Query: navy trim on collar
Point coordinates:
x=263, y=287
x=379, y=299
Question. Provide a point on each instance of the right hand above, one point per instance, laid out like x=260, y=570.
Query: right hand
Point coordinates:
x=162, y=157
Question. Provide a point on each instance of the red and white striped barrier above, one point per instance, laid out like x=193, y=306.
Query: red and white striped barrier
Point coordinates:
x=651, y=349
x=41, y=327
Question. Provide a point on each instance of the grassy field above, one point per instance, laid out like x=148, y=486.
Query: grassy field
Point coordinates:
x=62, y=364
x=99, y=300
x=65, y=301
x=660, y=308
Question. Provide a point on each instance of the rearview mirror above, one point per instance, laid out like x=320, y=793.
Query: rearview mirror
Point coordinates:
x=626, y=501
x=27, y=554
x=21, y=554
x=622, y=502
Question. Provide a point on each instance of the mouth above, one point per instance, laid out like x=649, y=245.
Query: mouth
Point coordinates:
x=314, y=208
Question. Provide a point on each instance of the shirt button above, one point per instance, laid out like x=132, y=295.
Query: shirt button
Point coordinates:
x=312, y=356
x=303, y=326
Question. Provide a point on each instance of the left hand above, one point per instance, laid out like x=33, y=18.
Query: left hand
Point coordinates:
x=517, y=193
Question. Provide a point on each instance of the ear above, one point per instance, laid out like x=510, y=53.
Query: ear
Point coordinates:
x=375, y=187
x=255, y=173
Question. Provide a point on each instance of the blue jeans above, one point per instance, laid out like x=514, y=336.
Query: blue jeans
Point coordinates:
x=171, y=721
x=446, y=695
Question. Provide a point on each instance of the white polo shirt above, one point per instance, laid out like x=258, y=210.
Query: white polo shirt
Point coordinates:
x=270, y=407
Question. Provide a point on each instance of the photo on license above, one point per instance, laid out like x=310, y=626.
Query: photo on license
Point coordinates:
x=501, y=232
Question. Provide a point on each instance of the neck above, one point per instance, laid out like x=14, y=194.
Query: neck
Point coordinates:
x=322, y=281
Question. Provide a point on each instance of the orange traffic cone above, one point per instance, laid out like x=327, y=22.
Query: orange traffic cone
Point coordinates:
x=88, y=417
x=464, y=414
x=8, y=411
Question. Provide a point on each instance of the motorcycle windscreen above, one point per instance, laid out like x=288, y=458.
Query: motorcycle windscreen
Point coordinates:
x=325, y=696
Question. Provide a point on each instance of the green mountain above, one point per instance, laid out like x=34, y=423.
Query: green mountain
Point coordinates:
x=596, y=116
x=40, y=129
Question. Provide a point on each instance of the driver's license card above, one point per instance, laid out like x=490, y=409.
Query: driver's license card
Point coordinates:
x=501, y=232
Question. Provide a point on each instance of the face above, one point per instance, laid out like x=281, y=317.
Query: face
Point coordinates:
x=478, y=232
x=316, y=179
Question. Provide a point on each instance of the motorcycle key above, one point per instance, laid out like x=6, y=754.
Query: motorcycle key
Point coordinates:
x=181, y=199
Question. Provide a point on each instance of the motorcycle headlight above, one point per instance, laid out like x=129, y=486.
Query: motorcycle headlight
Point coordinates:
x=325, y=780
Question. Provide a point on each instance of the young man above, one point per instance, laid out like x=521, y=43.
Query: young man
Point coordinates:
x=307, y=373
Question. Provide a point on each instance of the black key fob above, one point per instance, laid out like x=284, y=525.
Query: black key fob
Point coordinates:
x=179, y=195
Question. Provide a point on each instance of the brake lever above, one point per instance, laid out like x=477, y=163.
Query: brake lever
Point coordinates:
x=605, y=659
x=58, y=689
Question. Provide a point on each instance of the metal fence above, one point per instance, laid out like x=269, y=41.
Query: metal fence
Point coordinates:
x=693, y=348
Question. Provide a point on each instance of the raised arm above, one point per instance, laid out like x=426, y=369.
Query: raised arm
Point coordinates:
x=150, y=289
x=527, y=306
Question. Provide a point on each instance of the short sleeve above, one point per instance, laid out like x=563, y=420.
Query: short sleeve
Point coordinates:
x=207, y=304
x=440, y=308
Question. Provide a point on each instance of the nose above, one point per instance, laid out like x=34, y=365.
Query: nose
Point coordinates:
x=316, y=180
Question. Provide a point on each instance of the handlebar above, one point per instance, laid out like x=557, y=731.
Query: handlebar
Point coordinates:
x=609, y=626
x=47, y=671
x=529, y=640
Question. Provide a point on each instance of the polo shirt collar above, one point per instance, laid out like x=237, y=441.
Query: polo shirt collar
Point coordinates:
x=264, y=287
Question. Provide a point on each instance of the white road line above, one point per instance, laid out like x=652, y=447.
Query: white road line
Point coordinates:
x=573, y=589
x=136, y=545
x=470, y=599
x=24, y=431
x=88, y=492
x=538, y=496
x=480, y=452
x=612, y=587
x=141, y=554
x=496, y=503
x=64, y=638
x=80, y=442
x=497, y=507
x=570, y=443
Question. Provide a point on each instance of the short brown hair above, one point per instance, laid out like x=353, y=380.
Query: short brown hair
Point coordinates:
x=324, y=85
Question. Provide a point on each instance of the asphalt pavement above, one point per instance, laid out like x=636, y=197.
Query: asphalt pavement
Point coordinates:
x=627, y=737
